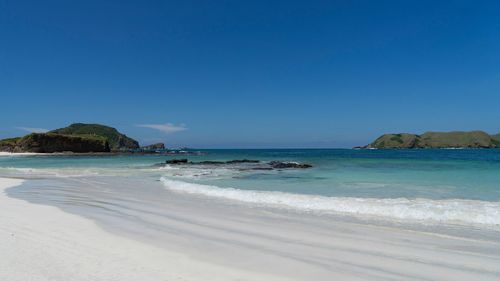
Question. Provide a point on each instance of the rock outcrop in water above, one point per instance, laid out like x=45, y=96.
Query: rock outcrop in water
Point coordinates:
x=243, y=164
x=474, y=139
x=177, y=161
x=185, y=161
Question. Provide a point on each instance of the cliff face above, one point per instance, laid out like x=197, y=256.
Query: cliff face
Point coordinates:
x=156, y=146
x=117, y=141
x=474, y=139
x=49, y=142
x=8, y=145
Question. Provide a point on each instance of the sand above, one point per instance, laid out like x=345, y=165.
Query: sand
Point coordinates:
x=3, y=153
x=180, y=237
x=44, y=243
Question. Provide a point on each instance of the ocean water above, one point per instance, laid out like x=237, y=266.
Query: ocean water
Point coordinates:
x=421, y=186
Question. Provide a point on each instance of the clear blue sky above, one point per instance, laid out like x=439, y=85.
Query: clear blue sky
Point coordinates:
x=251, y=73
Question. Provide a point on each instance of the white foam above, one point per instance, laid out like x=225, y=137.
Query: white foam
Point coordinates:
x=446, y=211
x=52, y=172
x=197, y=172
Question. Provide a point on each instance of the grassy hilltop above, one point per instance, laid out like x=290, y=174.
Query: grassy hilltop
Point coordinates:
x=80, y=138
x=473, y=139
x=117, y=141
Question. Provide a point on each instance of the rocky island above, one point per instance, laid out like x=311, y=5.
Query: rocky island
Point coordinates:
x=457, y=139
x=153, y=147
x=78, y=138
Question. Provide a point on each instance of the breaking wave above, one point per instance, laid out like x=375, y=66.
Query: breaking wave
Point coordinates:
x=454, y=211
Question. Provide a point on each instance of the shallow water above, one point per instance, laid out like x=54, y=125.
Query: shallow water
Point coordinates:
x=423, y=186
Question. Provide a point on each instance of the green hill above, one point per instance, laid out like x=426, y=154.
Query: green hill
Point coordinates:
x=116, y=140
x=474, y=139
x=496, y=139
x=396, y=141
x=477, y=139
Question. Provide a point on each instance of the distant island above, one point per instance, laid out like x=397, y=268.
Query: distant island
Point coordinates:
x=97, y=138
x=458, y=139
x=77, y=138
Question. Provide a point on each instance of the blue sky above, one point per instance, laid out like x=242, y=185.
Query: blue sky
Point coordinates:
x=251, y=73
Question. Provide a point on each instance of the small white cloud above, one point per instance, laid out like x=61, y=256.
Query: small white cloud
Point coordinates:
x=33, y=130
x=167, y=128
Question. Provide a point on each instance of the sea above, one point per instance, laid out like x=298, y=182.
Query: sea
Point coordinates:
x=424, y=186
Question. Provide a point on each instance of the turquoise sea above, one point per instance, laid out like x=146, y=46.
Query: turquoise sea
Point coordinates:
x=459, y=186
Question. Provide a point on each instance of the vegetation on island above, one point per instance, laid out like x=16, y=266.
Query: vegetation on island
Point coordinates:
x=78, y=138
x=496, y=139
x=458, y=139
x=49, y=143
x=117, y=141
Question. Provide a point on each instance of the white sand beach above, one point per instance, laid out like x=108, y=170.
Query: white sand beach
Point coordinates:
x=41, y=243
x=249, y=140
x=194, y=239
x=3, y=153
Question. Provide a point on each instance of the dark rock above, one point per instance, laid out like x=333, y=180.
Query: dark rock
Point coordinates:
x=177, y=161
x=209, y=163
x=288, y=165
x=242, y=161
x=262, y=166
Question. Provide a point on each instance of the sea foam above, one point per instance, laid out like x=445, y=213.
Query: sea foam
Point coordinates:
x=454, y=211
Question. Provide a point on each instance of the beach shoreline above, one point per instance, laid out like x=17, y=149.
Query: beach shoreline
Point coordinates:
x=3, y=153
x=139, y=235
x=100, y=154
x=40, y=242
